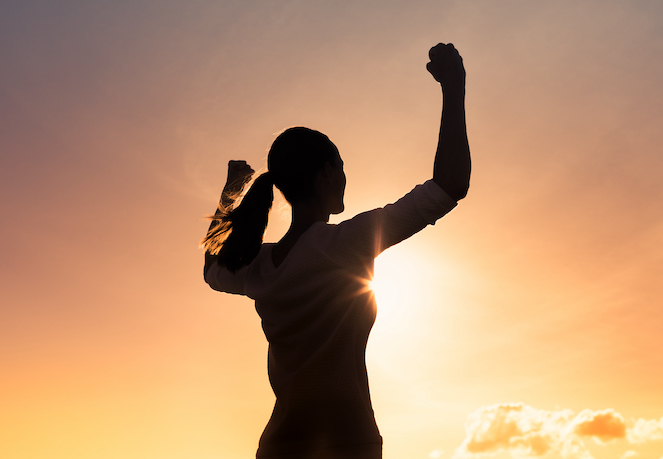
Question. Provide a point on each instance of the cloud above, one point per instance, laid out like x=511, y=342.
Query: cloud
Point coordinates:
x=603, y=425
x=528, y=432
x=645, y=430
x=520, y=428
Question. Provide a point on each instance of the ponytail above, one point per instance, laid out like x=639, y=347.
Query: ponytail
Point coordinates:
x=294, y=159
x=237, y=237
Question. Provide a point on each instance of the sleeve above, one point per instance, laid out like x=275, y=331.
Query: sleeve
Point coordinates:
x=368, y=234
x=221, y=279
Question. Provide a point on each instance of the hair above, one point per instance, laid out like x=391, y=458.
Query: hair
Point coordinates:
x=293, y=162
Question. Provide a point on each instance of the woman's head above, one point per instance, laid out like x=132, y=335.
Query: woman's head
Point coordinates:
x=296, y=158
x=304, y=164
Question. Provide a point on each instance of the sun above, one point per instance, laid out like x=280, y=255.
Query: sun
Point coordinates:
x=397, y=286
x=412, y=296
x=388, y=280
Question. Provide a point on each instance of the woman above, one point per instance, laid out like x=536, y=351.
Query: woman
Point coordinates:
x=311, y=288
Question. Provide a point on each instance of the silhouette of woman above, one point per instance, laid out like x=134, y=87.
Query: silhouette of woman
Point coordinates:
x=311, y=288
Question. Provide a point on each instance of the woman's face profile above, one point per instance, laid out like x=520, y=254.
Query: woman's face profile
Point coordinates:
x=338, y=181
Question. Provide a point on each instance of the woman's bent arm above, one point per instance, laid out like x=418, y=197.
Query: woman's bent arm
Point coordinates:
x=239, y=172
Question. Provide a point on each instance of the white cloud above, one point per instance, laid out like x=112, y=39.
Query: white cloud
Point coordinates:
x=646, y=430
x=528, y=432
x=436, y=454
x=517, y=427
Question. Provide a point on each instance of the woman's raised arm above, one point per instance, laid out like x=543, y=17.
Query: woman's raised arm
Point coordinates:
x=452, y=160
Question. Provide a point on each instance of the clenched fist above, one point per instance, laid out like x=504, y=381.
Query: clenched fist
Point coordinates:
x=446, y=66
x=239, y=172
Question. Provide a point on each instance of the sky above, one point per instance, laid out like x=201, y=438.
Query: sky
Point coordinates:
x=526, y=323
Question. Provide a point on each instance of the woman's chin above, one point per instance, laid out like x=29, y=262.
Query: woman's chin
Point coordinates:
x=339, y=209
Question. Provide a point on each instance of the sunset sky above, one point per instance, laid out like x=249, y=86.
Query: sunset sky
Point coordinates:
x=526, y=323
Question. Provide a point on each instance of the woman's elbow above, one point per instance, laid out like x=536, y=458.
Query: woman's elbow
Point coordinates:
x=462, y=193
x=457, y=191
x=209, y=261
